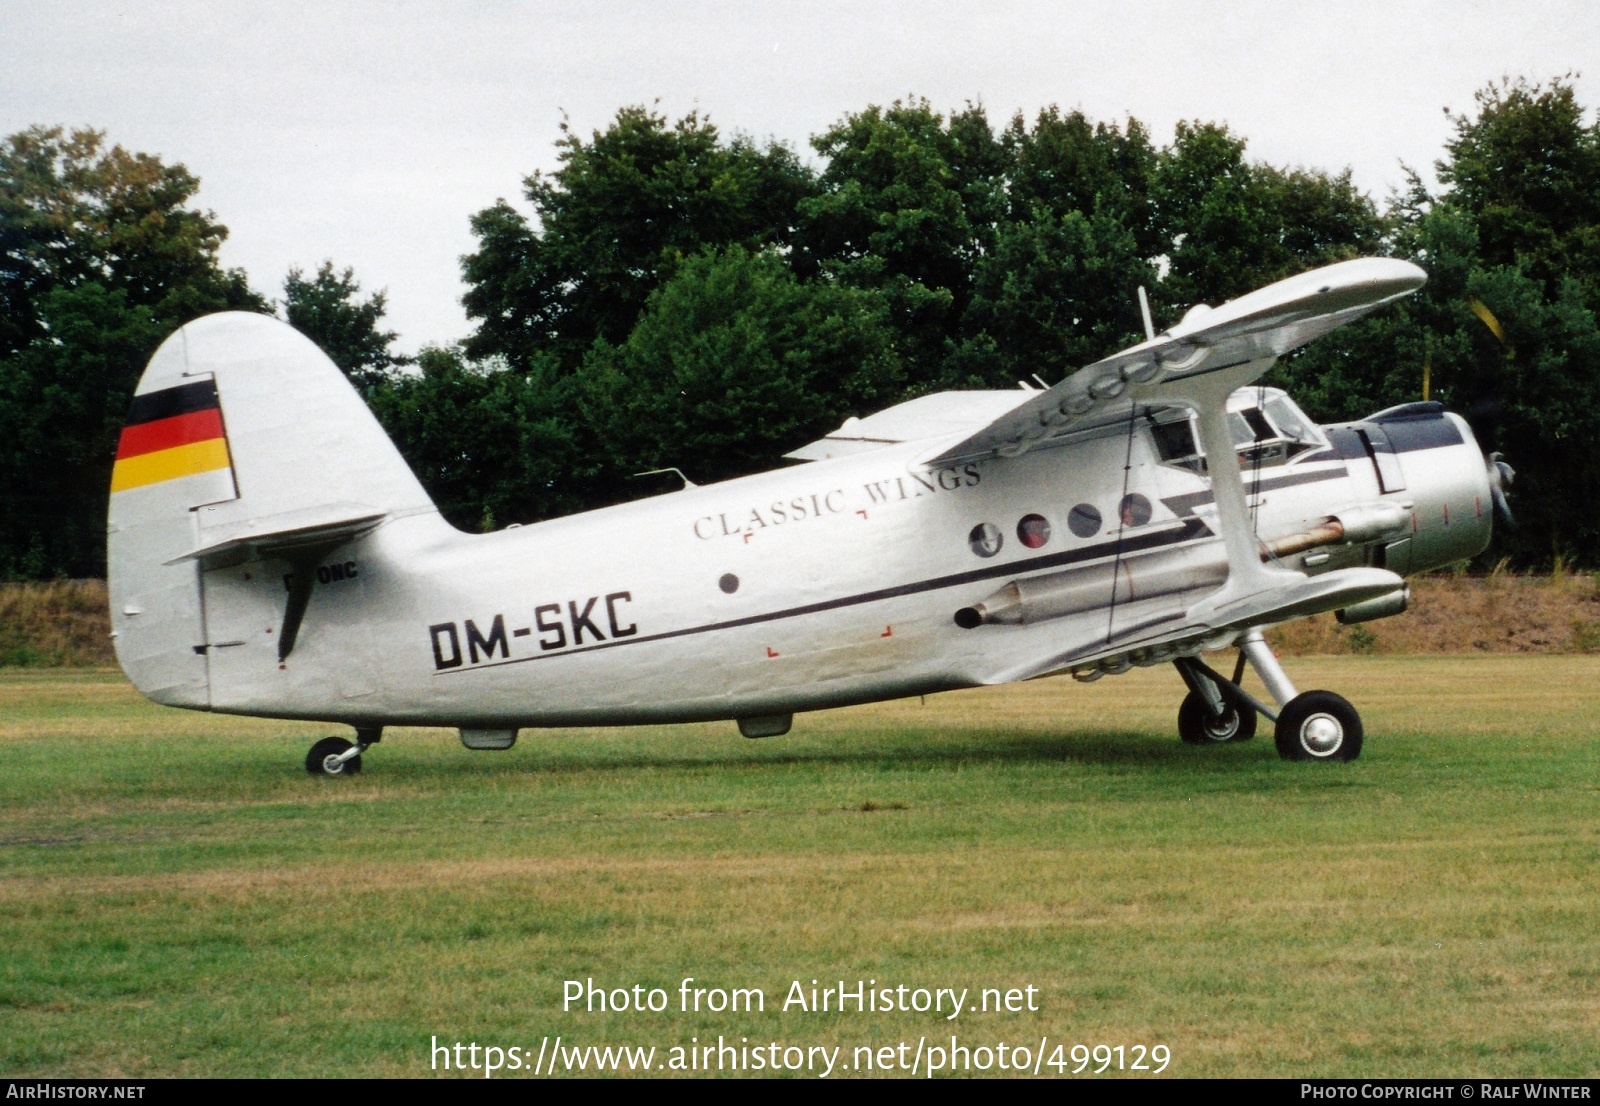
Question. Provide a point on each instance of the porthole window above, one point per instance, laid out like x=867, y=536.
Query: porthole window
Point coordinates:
x=1083, y=520
x=1134, y=510
x=729, y=583
x=1033, y=531
x=985, y=539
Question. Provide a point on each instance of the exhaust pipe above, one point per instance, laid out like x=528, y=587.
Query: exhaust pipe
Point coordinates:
x=1059, y=594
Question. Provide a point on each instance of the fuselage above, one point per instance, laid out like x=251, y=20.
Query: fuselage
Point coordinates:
x=824, y=584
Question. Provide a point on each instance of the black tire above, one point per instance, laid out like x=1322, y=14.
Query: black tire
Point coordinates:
x=317, y=758
x=1318, y=725
x=1197, y=727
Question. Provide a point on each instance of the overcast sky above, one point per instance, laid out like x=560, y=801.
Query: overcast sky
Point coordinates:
x=369, y=132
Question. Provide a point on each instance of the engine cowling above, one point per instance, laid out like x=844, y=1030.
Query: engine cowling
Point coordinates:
x=1427, y=457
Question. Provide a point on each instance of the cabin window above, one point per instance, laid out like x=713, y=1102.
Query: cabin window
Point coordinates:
x=1134, y=510
x=1083, y=520
x=1033, y=531
x=985, y=539
x=1249, y=427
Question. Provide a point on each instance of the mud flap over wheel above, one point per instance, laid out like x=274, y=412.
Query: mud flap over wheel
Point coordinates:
x=1198, y=726
x=323, y=760
x=1319, y=725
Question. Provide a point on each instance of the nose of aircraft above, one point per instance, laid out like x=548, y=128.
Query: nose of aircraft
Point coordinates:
x=1430, y=459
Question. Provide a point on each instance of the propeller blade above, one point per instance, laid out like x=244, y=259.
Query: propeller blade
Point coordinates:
x=1501, y=477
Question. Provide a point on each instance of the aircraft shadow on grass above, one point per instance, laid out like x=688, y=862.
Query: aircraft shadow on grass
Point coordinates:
x=1088, y=748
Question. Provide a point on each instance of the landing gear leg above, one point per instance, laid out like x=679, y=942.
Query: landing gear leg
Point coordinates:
x=334, y=756
x=1313, y=725
x=1208, y=716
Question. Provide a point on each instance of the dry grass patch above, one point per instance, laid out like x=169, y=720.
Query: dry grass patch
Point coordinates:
x=54, y=624
x=1499, y=613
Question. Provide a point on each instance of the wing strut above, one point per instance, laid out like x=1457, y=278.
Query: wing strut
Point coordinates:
x=1247, y=575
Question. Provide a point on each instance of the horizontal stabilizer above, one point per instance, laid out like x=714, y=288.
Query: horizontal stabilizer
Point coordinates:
x=325, y=526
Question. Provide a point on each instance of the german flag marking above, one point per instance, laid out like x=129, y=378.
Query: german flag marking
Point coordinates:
x=169, y=464
x=171, y=433
x=197, y=426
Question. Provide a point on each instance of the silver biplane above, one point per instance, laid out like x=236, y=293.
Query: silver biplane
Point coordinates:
x=271, y=554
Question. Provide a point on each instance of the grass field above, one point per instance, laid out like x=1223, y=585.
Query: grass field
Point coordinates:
x=178, y=897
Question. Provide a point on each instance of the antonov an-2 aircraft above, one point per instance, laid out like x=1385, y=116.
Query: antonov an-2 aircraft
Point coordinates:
x=271, y=554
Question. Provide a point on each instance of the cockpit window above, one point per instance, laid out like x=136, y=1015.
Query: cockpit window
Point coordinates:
x=1270, y=432
x=1249, y=427
x=1174, y=440
x=1291, y=423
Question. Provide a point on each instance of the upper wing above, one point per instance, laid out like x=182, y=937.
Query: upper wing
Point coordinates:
x=1241, y=338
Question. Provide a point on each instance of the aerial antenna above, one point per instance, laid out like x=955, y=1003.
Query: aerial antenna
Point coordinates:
x=687, y=483
x=1042, y=384
x=1144, y=311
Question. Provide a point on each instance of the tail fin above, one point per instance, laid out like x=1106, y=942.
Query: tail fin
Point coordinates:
x=242, y=437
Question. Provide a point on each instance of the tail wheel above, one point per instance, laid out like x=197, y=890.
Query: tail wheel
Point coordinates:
x=1198, y=726
x=320, y=761
x=1318, y=725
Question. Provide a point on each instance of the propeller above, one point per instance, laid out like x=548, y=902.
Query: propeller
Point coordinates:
x=1501, y=476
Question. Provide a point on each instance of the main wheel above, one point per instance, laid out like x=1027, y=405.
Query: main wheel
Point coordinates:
x=1318, y=725
x=322, y=753
x=1197, y=726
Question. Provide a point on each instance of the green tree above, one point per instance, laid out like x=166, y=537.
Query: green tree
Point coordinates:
x=73, y=212
x=1059, y=288
x=491, y=446
x=1231, y=226
x=1516, y=229
x=327, y=310
x=1057, y=293
x=100, y=258
x=734, y=361
x=611, y=224
x=62, y=400
x=1525, y=168
x=1513, y=230
x=1067, y=164
x=908, y=204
